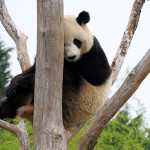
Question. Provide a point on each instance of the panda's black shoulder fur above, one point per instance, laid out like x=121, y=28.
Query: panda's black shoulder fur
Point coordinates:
x=92, y=66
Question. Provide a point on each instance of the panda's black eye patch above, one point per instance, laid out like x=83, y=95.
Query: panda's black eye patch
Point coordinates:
x=77, y=43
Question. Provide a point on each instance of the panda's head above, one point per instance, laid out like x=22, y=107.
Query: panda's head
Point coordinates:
x=78, y=39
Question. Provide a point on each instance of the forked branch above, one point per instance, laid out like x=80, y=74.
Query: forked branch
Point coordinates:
x=18, y=36
x=20, y=131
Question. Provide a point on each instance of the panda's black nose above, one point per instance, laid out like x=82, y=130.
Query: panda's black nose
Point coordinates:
x=72, y=57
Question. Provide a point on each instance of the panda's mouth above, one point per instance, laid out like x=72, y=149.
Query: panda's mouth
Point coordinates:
x=73, y=58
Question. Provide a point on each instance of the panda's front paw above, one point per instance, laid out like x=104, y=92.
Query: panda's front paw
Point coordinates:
x=14, y=85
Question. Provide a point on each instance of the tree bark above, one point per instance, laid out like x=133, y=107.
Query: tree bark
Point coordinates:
x=48, y=124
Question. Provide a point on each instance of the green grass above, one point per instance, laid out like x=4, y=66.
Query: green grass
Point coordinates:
x=9, y=141
x=75, y=140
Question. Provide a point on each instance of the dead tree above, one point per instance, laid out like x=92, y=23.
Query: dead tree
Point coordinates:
x=48, y=125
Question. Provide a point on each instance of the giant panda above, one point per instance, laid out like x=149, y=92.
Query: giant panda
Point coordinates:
x=86, y=78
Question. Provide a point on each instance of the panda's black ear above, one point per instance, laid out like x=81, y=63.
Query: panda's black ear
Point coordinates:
x=83, y=17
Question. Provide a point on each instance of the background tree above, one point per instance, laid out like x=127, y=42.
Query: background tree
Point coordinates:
x=4, y=68
x=125, y=132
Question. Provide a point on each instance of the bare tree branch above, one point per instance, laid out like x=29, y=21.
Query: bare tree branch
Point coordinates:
x=20, y=131
x=22, y=55
x=18, y=36
x=127, y=38
x=130, y=85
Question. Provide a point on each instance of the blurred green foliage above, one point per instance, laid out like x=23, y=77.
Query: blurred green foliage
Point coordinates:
x=122, y=133
x=4, y=68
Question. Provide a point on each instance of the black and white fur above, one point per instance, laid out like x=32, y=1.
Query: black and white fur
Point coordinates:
x=86, y=78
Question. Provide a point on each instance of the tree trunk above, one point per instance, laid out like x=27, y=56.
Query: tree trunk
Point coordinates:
x=48, y=124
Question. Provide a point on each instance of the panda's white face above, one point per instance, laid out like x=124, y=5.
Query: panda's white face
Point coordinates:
x=72, y=50
x=78, y=40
